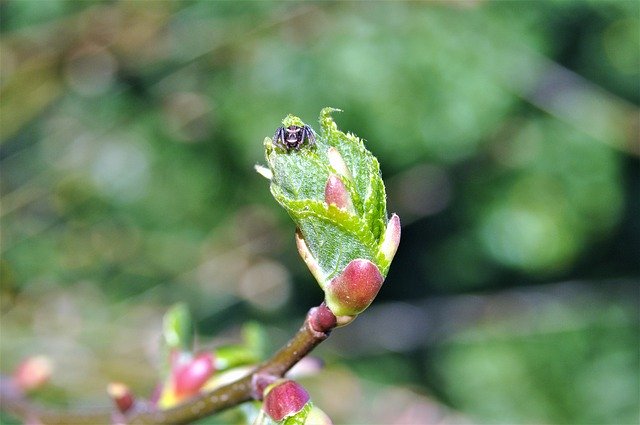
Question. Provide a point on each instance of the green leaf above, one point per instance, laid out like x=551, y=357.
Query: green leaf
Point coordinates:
x=334, y=236
x=254, y=337
x=230, y=356
x=299, y=418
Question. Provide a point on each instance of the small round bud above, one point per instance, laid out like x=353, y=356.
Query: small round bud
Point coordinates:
x=354, y=289
x=284, y=399
x=321, y=319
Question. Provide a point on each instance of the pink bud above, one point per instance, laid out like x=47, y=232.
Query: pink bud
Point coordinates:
x=391, y=238
x=121, y=395
x=354, y=289
x=32, y=373
x=285, y=399
x=335, y=192
x=189, y=378
x=321, y=319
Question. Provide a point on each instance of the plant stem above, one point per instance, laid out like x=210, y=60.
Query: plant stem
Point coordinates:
x=205, y=404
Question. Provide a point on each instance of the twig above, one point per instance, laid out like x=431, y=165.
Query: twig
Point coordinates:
x=314, y=330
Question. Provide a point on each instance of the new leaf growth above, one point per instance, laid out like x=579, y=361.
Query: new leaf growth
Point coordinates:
x=333, y=191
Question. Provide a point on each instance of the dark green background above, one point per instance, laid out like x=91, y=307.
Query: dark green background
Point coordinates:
x=507, y=134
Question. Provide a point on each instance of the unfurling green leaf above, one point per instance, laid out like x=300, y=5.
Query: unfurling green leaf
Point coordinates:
x=331, y=186
x=177, y=328
x=299, y=418
x=177, y=336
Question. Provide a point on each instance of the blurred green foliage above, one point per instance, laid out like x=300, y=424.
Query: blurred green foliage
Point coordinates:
x=507, y=134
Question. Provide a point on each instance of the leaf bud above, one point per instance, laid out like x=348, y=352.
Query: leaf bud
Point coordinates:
x=354, y=289
x=336, y=193
x=332, y=188
x=285, y=398
x=321, y=319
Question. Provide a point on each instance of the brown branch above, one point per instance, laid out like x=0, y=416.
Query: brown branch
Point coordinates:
x=315, y=329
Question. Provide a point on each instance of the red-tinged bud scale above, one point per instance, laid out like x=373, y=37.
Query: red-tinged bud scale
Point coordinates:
x=33, y=373
x=189, y=378
x=285, y=399
x=354, y=289
x=335, y=192
x=121, y=395
x=321, y=319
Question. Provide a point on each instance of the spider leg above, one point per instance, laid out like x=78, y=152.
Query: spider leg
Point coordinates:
x=278, y=138
x=310, y=135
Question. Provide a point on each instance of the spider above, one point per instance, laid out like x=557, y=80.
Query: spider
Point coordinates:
x=293, y=137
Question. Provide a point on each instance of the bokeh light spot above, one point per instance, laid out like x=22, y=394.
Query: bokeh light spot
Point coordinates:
x=121, y=170
x=265, y=285
x=526, y=239
x=90, y=70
